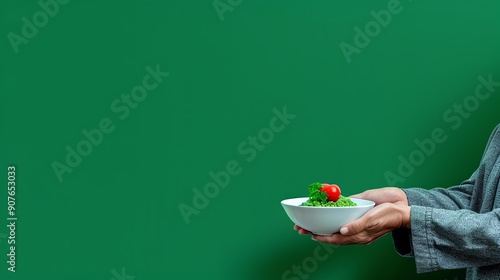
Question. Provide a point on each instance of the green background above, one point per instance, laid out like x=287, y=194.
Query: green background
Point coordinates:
x=119, y=207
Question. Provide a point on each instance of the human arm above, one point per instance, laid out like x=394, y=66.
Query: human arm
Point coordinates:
x=441, y=239
x=452, y=239
x=452, y=198
x=470, y=195
x=457, y=197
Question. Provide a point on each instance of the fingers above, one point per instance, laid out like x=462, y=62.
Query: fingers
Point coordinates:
x=301, y=230
x=359, y=195
x=373, y=195
x=379, y=196
x=339, y=239
x=333, y=239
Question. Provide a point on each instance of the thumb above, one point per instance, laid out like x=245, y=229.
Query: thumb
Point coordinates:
x=353, y=227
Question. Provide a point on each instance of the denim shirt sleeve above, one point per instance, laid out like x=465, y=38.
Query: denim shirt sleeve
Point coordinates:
x=445, y=233
x=452, y=239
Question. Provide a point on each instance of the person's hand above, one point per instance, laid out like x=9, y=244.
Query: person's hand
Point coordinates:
x=383, y=195
x=373, y=225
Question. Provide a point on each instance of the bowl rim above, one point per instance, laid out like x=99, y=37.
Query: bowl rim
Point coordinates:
x=372, y=204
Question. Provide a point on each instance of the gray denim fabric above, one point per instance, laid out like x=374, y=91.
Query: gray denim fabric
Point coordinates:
x=457, y=227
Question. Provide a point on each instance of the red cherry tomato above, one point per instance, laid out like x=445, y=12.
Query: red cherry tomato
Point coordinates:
x=332, y=191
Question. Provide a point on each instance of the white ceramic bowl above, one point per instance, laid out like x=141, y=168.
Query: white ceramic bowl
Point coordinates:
x=324, y=220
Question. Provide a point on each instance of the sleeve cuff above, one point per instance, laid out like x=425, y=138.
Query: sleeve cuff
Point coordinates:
x=414, y=196
x=422, y=239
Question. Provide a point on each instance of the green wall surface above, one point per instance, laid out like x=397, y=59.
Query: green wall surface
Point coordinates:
x=116, y=114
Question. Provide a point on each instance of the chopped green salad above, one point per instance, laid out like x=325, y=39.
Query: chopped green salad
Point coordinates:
x=326, y=195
